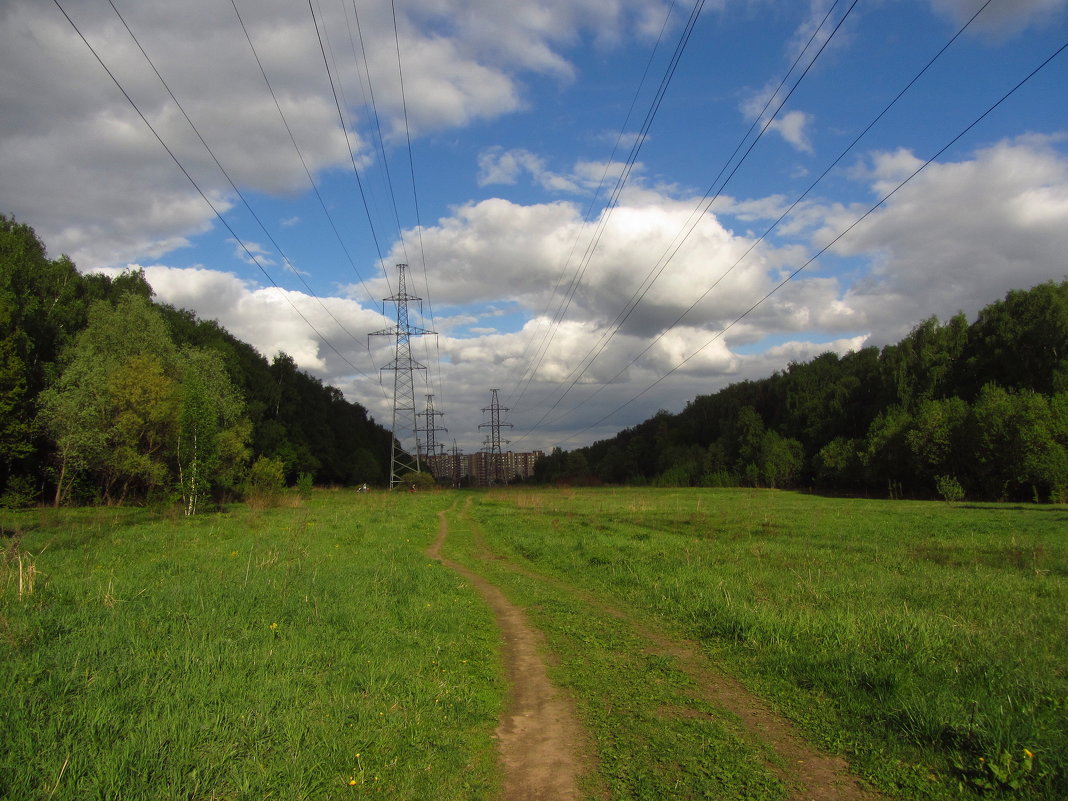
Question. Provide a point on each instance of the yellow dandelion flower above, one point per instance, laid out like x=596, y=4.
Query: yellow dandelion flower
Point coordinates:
x=352, y=782
x=273, y=627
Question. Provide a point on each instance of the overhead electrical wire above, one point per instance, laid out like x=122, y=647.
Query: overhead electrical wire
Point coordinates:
x=189, y=177
x=647, y=284
x=324, y=45
x=338, y=86
x=348, y=143
x=800, y=197
x=572, y=286
x=229, y=179
x=832, y=242
x=369, y=99
x=714, y=191
x=415, y=199
x=588, y=215
x=300, y=155
x=923, y=70
x=621, y=180
x=706, y=201
x=331, y=63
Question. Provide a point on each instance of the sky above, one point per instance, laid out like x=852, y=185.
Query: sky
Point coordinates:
x=607, y=207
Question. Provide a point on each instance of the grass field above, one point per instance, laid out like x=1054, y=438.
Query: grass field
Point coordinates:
x=296, y=653
x=313, y=651
x=927, y=642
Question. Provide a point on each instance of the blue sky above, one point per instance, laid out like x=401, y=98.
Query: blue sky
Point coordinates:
x=512, y=110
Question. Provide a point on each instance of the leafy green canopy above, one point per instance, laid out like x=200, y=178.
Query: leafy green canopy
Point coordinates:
x=139, y=415
x=105, y=395
x=953, y=410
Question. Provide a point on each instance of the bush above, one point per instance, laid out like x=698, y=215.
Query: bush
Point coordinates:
x=950, y=489
x=421, y=481
x=677, y=476
x=719, y=478
x=265, y=482
x=19, y=493
x=304, y=485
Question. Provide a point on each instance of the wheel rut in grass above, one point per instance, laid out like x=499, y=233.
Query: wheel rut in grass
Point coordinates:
x=809, y=773
x=540, y=740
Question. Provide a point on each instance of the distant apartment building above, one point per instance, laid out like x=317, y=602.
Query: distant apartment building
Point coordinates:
x=482, y=469
x=524, y=463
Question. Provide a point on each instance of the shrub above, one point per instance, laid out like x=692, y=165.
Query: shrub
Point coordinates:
x=265, y=482
x=422, y=481
x=304, y=485
x=949, y=488
x=20, y=493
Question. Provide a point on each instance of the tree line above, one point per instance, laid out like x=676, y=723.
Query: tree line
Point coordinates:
x=954, y=410
x=107, y=396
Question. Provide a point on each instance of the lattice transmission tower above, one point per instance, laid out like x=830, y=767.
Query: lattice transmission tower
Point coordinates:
x=405, y=424
x=493, y=440
x=430, y=429
x=454, y=465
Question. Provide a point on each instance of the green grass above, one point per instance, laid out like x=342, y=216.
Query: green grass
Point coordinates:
x=285, y=653
x=309, y=652
x=925, y=641
x=653, y=737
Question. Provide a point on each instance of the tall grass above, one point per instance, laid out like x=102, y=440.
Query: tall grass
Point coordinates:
x=309, y=652
x=929, y=641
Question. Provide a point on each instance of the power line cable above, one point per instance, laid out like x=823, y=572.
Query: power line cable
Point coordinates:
x=698, y=213
x=658, y=268
x=621, y=180
x=415, y=199
x=334, y=88
x=229, y=179
x=348, y=142
x=834, y=241
x=200, y=191
x=332, y=68
x=785, y=214
x=300, y=155
x=376, y=128
x=369, y=99
x=588, y=215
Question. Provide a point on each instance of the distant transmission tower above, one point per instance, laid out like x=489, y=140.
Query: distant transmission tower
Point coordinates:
x=454, y=462
x=493, y=440
x=430, y=429
x=405, y=428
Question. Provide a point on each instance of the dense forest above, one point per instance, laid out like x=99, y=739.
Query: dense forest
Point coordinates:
x=954, y=410
x=106, y=396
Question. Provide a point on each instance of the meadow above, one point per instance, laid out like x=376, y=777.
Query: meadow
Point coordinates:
x=304, y=652
x=926, y=642
x=314, y=651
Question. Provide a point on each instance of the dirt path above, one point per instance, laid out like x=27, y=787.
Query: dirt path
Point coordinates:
x=541, y=743
x=810, y=774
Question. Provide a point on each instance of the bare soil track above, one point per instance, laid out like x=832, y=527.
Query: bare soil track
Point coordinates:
x=542, y=746
x=543, y=749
